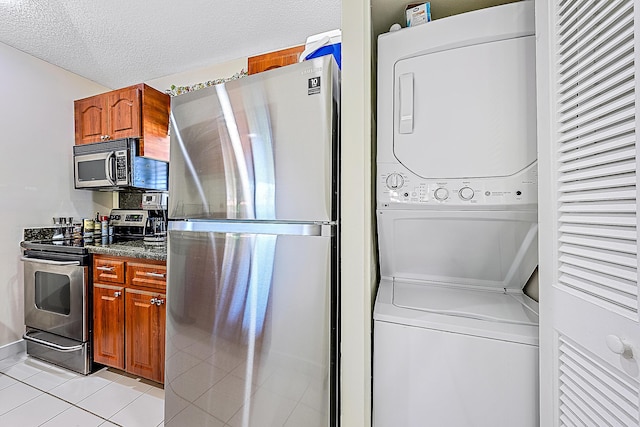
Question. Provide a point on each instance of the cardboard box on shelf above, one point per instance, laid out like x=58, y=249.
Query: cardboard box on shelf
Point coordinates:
x=418, y=13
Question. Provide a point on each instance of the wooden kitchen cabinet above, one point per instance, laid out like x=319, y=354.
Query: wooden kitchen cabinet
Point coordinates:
x=137, y=111
x=108, y=270
x=268, y=61
x=130, y=315
x=108, y=325
x=145, y=320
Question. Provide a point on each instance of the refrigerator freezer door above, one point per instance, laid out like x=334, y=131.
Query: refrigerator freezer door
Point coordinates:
x=261, y=147
x=249, y=329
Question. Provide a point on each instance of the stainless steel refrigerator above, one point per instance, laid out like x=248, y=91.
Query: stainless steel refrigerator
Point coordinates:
x=252, y=304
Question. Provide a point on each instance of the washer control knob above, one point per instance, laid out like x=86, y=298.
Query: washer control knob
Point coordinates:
x=466, y=193
x=441, y=193
x=395, y=181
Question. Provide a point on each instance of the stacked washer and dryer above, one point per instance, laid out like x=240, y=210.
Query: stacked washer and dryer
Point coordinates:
x=455, y=337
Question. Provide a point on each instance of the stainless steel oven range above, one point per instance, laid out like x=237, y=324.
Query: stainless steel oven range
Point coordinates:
x=57, y=303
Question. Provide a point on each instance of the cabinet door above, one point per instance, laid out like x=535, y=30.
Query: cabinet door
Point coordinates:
x=124, y=113
x=108, y=325
x=90, y=119
x=145, y=317
x=268, y=61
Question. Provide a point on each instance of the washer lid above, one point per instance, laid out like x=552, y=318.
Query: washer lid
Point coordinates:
x=476, y=304
x=385, y=310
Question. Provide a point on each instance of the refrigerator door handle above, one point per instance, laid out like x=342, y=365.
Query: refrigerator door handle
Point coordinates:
x=293, y=229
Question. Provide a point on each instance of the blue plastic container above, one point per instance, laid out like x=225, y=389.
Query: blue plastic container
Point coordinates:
x=331, y=49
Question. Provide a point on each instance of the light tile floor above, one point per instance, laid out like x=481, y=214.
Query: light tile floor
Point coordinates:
x=35, y=393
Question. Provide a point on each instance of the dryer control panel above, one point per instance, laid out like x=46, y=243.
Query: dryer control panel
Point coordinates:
x=398, y=188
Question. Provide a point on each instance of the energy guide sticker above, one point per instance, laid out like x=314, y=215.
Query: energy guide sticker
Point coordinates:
x=314, y=85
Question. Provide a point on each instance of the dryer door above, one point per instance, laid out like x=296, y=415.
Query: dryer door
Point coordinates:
x=468, y=112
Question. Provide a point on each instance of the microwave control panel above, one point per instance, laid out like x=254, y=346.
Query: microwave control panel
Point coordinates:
x=121, y=166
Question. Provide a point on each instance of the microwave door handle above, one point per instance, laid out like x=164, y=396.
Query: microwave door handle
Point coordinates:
x=109, y=167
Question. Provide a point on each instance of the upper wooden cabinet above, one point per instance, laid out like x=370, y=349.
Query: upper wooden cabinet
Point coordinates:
x=268, y=61
x=137, y=111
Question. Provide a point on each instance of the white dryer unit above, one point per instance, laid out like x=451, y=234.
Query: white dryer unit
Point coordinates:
x=456, y=112
x=455, y=339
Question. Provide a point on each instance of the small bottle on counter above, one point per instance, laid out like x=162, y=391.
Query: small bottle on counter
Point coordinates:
x=88, y=229
x=77, y=231
x=97, y=230
x=104, y=226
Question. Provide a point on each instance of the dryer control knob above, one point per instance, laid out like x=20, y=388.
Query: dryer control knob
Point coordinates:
x=395, y=181
x=441, y=194
x=466, y=193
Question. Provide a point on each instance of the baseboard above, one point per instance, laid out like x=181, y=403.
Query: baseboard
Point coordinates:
x=12, y=349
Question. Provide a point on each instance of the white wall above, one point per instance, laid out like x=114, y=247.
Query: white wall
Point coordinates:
x=358, y=268
x=36, y=175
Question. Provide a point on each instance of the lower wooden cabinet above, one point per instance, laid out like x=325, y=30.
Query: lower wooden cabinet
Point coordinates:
x=129, y=316
x=108, y=325
x=144, y=340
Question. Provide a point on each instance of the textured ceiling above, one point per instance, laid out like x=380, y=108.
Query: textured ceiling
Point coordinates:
x=121, y=42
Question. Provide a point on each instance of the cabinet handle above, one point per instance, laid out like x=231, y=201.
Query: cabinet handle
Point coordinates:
x=117, y=294
x=105, y=268
x=159, y=302
x=153, y=301
x=155, y=274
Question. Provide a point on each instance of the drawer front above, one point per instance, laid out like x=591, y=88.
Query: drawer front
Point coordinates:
x=108, y=270
x=147, y=275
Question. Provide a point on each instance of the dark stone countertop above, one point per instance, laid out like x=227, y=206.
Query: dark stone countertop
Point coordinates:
x=133, y=249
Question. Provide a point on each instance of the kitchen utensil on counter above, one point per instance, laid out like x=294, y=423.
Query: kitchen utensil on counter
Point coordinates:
x=155, y=231
x=63, y=226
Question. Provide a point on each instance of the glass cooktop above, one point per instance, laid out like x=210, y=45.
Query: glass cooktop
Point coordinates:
x=75, y=246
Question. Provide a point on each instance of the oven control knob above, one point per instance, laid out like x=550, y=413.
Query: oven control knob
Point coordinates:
x=395, y=181
x=441, y=193
x=466, y=193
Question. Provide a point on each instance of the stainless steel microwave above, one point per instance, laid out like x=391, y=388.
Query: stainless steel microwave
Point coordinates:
x=116, y=165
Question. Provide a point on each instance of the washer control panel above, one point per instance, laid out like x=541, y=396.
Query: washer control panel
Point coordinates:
x=399, y=188
x=441, y=193
x=395, y=181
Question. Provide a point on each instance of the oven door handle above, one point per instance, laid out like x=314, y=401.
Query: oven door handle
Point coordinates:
x=49, y=261
x=61, y=348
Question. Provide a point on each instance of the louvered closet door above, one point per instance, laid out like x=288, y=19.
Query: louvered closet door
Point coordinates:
x=587, y=97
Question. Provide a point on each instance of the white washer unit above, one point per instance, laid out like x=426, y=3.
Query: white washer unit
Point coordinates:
x=455, y=339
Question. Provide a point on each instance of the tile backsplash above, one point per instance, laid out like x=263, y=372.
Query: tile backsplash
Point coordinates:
x=129, y=200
